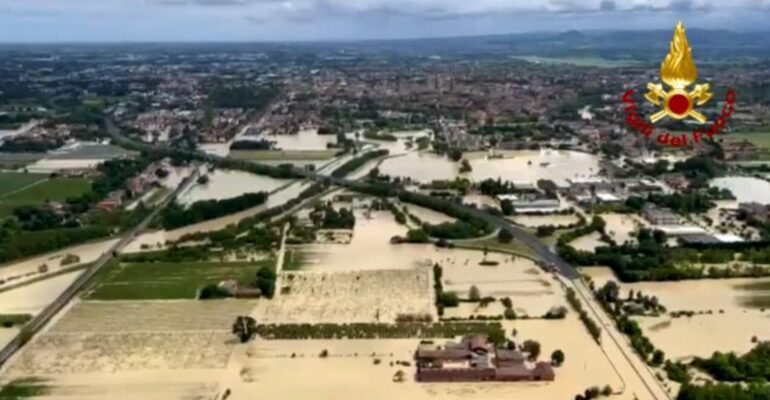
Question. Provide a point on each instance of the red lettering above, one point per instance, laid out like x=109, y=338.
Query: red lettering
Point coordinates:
x=730, y=96
x=697, y=135
x=664, y=138
x=627, y=97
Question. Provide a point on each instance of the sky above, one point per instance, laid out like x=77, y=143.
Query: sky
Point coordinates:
x=291, y=20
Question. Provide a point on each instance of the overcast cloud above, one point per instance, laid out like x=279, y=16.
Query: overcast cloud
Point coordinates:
x=269, y=20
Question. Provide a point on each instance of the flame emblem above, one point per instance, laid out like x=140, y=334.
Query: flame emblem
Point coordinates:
x=678, y=71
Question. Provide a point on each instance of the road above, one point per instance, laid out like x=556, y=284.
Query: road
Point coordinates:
x=617, y=346
x=40, y=320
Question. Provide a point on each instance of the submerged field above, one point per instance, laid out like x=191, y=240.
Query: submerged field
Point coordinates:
x=727, y=313
x=166, y=280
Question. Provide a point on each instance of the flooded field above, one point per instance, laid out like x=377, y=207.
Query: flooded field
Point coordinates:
x=306, y=139
x=49, y=165
x=345, y=297
x=623, y=227
x=32, y=298
x=349, y=373
x=745, y=189
x=525, y=165
x=24, y=270
x=427, y=215
x=157, y=239
x=533, y=291
x=533, y=221
x=729, y=315
x=588, y=242
x=134, y=350
x=225, y=184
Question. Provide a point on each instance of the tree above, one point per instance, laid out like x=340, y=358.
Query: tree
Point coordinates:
x=245, y=328
x=506, y=206
x=474, y=294
x=266, y=281
x=532, y=348
x=455, y=155
x=509, y=313
x=465, y=166
x=505, y=236
x=658, y=357
x=557, y=358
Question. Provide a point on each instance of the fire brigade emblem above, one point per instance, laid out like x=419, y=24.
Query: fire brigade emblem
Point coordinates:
x=678, y=72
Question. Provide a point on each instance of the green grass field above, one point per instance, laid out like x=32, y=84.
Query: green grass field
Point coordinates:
x=12, y=181
x=760, y=139
x=58, y=189
x=164, y=281
x=280, y=155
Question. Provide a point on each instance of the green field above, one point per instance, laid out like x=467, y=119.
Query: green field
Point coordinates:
x=760, y=139
x=166, y=280
x=280, y=155
x=59, y=189
x=13, y=181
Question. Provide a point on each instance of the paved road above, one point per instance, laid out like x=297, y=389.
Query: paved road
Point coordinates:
x=40, y=320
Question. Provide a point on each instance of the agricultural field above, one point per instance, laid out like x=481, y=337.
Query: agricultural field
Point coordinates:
x=355, y=296
x=724, y=314
x=13, y=181
x=59, y=189
x=167, y=280
x=138, y=350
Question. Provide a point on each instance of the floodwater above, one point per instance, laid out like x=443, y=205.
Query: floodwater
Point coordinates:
x=225, y=184
x=745, y=189
x=156, y=239
x=306, y=139
x=23, y=270
x=31, y=299
x=533, y=221
x=48, y=165
x=731, y=313
x=525, y=165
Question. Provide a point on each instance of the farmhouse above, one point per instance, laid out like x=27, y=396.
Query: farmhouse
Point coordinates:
x=474, y=359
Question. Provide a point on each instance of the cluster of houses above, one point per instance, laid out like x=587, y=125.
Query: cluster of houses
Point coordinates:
x=134, y=187
x=475, y=359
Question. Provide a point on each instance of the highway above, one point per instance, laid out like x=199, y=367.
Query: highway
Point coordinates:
x=543, y=252
x=37, y=323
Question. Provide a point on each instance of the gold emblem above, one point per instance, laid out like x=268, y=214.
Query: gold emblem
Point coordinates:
x=678, y=71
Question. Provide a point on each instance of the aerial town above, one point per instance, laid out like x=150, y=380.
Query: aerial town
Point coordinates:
x=241, y=221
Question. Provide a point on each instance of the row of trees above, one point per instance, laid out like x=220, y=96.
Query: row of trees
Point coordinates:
x=357, y=163
x=175, y=215
x=590, y=324
x=450, y=330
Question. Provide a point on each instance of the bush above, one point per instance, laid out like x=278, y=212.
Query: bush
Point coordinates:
x=266, y=281
x=532, y=348
x=509, y=313
x=505, y=236
x=557, y=358
x=212, y=291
